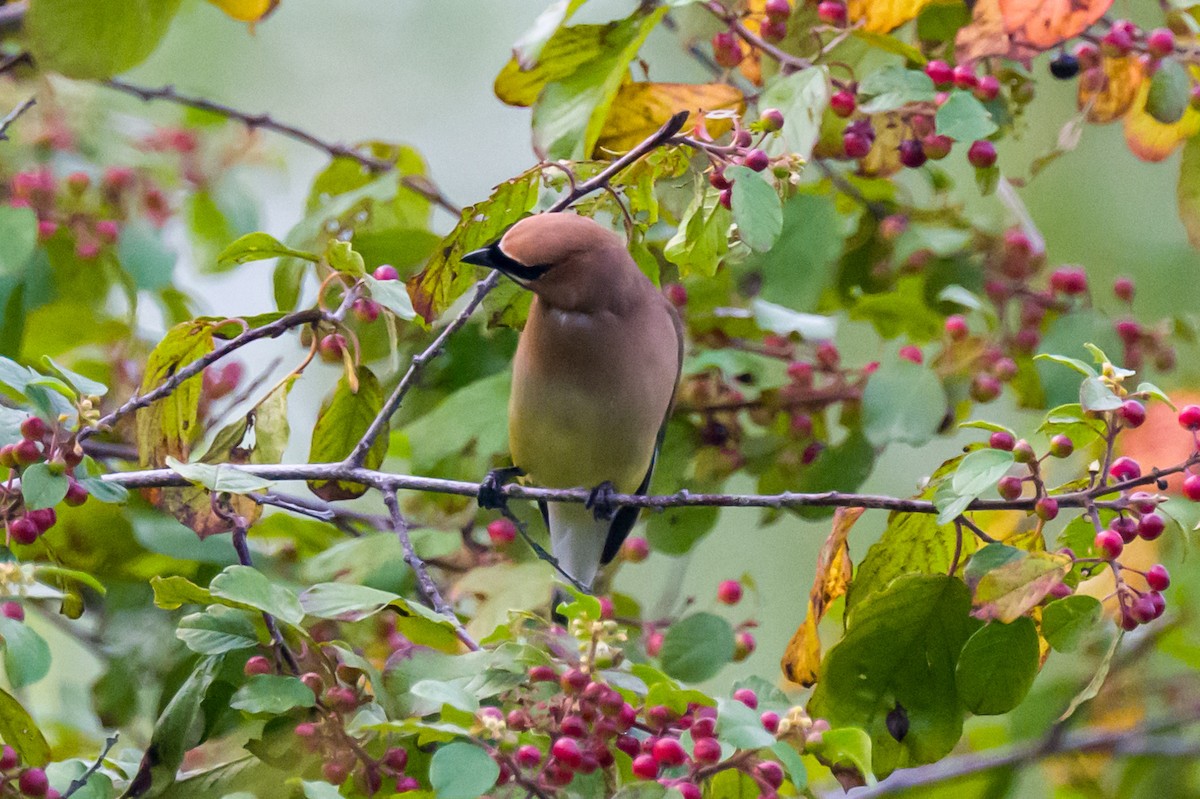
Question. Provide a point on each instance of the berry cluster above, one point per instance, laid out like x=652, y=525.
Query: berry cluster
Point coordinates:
x=744, y=149
x=26, y=782
x=39, y=442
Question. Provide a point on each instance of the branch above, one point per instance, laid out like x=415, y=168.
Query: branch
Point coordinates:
x=419, y=361
x=243, y=553
x=82, y=780
x=12, y=116
x=416, y=183
x=1140, y=741
x=273, y=330
x=426, y=584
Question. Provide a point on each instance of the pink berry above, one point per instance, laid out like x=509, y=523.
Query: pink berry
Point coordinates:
x=964, y=77
x=23, y=530
x=528, y=756
x=1009, y=487
x=956, y=327
x=1109, y=542
x=1046, y=508
x=756, y=160
x=367, y=310
x=939, y=72
x=1158, y=578
x=747, y=697
x=688, y=790
x=13, y=610
x=396, y=758
x=1160, y=42
x=1151, y=526
x=1191, y=487
x=1124, y=289
x=567, y=752
x=501, y=532
x=987, y=87
x=386, y=272
x=8, y=759
x=1060, y=590
x=937, y=146
x=725, y=198
x=771, y=120
x=706, y=750
x=1061, y=446
x=1133, y=413
x=1124, y=469
x=107, y=230
x=1002, y=439
x=654, y=644
x=573, y=727
x=729, y=592
x=832, y=12
x=573, y=681
x=1126, y=527
x=843, y=103
x=257, y=665
x=46, y=228
x=1189, y=417
x=770, y=772
x=770, y=721
x=542, y=674
x=645, y=767
x=982, y=154
x=743, y=646
x=669, y=752
x=778, y=10
x=855, y=145
x=331, y=347
x=33, y=782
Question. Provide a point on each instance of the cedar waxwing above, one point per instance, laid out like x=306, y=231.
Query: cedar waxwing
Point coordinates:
x=594, y=377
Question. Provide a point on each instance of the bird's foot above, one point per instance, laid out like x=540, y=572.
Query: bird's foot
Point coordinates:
x=599, y=502
x=491, y=490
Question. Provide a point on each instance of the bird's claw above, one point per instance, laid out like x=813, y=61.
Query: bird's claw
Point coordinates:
x=599, y=502
x=491, y=490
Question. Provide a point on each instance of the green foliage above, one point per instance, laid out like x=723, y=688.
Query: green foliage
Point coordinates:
x=343, y=419
x=697, y=646
x=86, y=40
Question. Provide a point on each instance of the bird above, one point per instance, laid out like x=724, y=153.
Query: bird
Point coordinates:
x=594, y=379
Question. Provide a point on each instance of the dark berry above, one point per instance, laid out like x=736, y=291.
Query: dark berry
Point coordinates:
x=23, y=530
x=33, y=428
x=756, y=160
x=982, y=154
x=912, y=154
x=1151, y=526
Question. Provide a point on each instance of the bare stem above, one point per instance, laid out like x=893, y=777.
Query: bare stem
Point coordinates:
x=243, y=553
x=12, y=116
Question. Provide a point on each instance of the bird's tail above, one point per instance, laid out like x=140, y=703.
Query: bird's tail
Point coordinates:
x=577, y=539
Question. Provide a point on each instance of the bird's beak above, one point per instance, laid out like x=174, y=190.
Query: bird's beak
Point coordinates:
x=484, y=256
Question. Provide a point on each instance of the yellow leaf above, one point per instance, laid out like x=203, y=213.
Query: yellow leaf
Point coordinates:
x=1107, y=92
x=642, y=108
x=802, y=657
x=1151, y=140
x=884, y=158
x=751, y=65
x=881, y=16
x=246, y=10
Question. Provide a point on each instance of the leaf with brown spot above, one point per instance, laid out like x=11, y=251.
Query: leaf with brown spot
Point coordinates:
x=988, y=36
x=882, y=16
x=1045, y=23
x=1107, y=92
x=802, y=658
x=641, y=108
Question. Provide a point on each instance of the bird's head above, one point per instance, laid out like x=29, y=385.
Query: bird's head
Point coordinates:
x=571, y=262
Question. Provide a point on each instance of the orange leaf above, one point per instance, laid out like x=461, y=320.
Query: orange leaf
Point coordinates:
x=987, y=36
x=751, y=65
x=246, y=10
x=642, y=108
x=1045, y=23
x=1107, y=92
x=882, y=16
x=1151, y=140
x=802, y=657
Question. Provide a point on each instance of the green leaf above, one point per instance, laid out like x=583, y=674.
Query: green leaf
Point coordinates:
x=696, y=647
x=912, y=543
x=1095, y=395
x=847, y=746
x=893, y=87
x=273, y=694
x=757, y=210
x=18, y=730
x=346, y=602
x=783, y=321
x=570, y=111
x=903, y=402
x=181, y=727
x=1066, y=621
x=803, y=97
x=740, y=726
x=175, y=591
x=473, y=418
x=169, y=426
x=41, y=487
x=317, y=790
x=794, y=764
x=343, y=419
x=1187, y=191
x=95, y=40
x=1094, y=685
x=391, y=294
x=218, y=477
x=965, y=119
x=18, y=239
x=1007, y=582
x=461, y=771
x=26, y=654
x=702, y=238
x=82, y=385
x=217, y=630
x=980, y=470
x=1084, y=369
x=900, y=650
x=251, y=587
x=676, y=530
x=1170, y=87
x=797, y=269
x=259, y=247
x=997, y=666
x=1154, y=392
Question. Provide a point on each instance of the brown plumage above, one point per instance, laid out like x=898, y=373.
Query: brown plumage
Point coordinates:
x=593, y=378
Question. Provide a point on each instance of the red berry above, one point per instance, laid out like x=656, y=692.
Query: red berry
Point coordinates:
x=1191, y=487
x=1069, y=280
x=1060, y=590
x=727, y=51
x=717, y=179
x=567, y=752
x=331, y=347
x=747, y=697
x=1009, y=487
x=725, y=198
x=828, y=356
x=770, y=721
x=367, y=310
x=1158, y=578
x=33, y=428
x=335, y=772
x=13, y=610
x=939, y=72
x=987, y=87
x=956, y=327
x=573, y=727
x=1117, y=42
x=964, y=77
x=502, y=532
x=26, y=452
x=669, y=752
x=1129, y=331
x=1109, y=542
x=76, y=493
x=635, y=549
x=937, y=146
x=1126, y=527
x=801, y=372
x=729, y=592
x=1002, y=439
x=385, y=272
x=1046, y=508
x=542, y=674
x=984, y=388
x=778, y=10
x=528, y=756
x=107, y=230
x=855, y=145
x=832, y=12
x=688, y=790
x=396, y=758
x=33, y=782
x=1124, y=469
x=706, y=750
x=756, y=160
x=1061, y=446
x=645, y=767
x=43, y=519
x=676, y=294
x=46, y=228
x=629, y=745
x=1004, y=368
x=982, y=154
x=770, y=772
x=1160, y=42
x=1189, y=417
x=843, y=103
x=23, y=530
x=1151, y=526
x=257, y=665
x=912, y=154
x=771, y=120
x=743, y=646
x=703, y=727
x=8, y=759
x=1133, y=413
x=574, y=681
x=654, y=644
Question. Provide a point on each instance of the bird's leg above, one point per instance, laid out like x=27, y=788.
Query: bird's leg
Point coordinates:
x=491, y=494
x=599, y=502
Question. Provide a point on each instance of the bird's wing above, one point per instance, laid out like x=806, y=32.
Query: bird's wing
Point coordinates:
x=626, y=517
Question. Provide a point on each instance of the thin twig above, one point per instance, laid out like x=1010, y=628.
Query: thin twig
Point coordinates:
x=243, y=552
x=424, y=582
x=416, y=183
x=12, y=116
x=421, y=359
x=82, y=780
